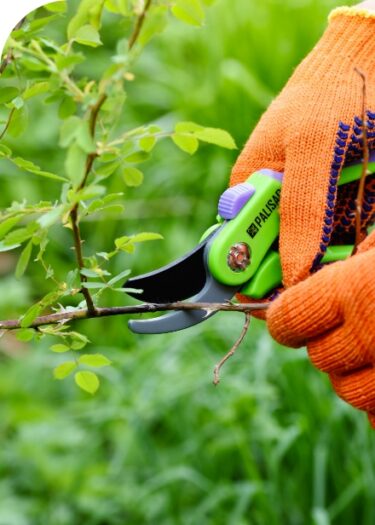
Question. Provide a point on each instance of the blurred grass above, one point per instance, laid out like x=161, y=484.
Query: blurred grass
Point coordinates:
x=159, y=444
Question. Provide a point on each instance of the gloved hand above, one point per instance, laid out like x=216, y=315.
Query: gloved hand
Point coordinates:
x=310, y=132
x=333, y=313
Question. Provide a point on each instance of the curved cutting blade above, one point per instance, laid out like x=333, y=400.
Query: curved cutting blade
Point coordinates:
x=212, y=292
x=177, y=281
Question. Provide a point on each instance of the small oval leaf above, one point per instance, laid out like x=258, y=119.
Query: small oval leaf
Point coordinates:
x=87, y=381
x=62, y=371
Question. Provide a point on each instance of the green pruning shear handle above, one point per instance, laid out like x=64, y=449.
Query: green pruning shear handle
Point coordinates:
x=235, y=255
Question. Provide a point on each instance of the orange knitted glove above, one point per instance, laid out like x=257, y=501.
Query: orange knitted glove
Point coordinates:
x=310, y=131
x=333, y=313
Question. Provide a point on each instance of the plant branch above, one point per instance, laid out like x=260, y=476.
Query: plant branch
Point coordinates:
x=232, y=351
x=139, y=24
x=9, y=120
x=95, y=113
x=85, y=313
x=9, y=57
x=366, y=159
x=39, y=54
x=74, y=211
x=79, y=256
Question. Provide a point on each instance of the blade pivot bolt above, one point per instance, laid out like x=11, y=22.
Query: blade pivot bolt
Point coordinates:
x=239, y=257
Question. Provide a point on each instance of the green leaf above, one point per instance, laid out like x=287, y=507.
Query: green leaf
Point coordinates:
x=118, y=7
x=95, y=360
x=75, y=129
x=185, y=142
x=21, y=234
x=24, y=260
x=138, y=157
x=56, y=7
x=5, y=151
x=87, y=381
x=7, y=94
x=75, y=164
x=51, y=217
x=187, y=127
x=87, y=272
x=145, y=236
x=25, y=335
x=216, y=136
x=50, y=298
x=8, y=224
x=78, y=345
x=87, y=12
x=147, y=143
x=38, y=23
x=62, y=371
x=36, y=89
x=84, y=138
x=33, y=168
x=7, y=248
x=18, y=123
x=87, y=35
x=107, y=169
x=189, y=11
x=67, y=108
x=30, y=316
x=125, y=244
x=92, y=191
x=133, y=177
x=94, y=286
x=67, y=62
x=69, y=130
x=119, y=277
x=60, y=349
x=33, y=64
x=154, y=24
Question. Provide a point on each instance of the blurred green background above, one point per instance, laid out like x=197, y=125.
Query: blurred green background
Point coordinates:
x=159, y=445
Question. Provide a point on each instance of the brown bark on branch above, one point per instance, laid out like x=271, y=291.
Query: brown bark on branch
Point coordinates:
x=8, y=59
x=139, y=24
x=85, y=313
x=74, y=212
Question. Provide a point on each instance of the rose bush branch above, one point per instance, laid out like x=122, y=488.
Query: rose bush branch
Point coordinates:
x=85, y=313
x=95, y=146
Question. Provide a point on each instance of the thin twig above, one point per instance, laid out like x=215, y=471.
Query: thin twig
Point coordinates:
x=79, y=256
x=95, y=113
x=366, y=159
x=9, y=57
x=85, y=313
x=9, y=120
x=74, y=219
x=232, y=351
x=139, y=24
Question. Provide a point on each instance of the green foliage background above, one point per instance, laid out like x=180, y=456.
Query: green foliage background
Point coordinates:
x=159, y=444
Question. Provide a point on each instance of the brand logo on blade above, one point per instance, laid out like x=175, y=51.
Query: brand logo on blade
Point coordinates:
x=264, y=215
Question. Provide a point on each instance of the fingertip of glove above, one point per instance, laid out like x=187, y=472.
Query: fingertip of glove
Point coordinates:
x=279, y=318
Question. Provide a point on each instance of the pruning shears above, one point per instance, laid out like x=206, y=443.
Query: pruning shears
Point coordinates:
x=239, y=254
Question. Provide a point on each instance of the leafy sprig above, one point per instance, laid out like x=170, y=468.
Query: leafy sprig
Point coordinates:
x=35, y=66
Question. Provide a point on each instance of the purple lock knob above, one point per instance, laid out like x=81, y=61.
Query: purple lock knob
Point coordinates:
x=234, y=199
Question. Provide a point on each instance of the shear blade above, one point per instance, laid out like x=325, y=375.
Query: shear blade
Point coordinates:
x=212, y=292
x=176, y=281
